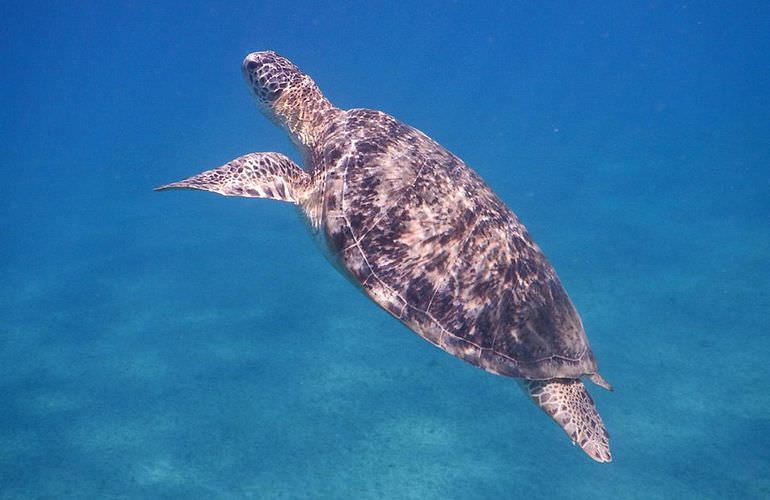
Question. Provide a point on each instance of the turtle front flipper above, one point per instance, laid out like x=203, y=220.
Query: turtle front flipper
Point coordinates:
x=255, y=175
x=567, y=401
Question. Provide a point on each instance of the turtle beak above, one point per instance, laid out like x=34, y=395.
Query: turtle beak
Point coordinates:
x=249, y=65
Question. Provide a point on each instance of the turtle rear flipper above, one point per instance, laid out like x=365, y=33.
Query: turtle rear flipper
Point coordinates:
x=567, y=402
x=255, y=175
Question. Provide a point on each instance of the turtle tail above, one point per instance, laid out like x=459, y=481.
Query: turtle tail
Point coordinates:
x=567, y=401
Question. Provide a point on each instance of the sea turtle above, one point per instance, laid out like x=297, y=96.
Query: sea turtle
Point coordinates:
x=425, y=238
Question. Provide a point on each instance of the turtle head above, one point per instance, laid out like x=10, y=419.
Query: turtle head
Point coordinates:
x=286, y=95
x=269, y=76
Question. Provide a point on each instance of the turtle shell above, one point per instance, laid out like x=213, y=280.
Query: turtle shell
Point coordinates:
x=426, y=239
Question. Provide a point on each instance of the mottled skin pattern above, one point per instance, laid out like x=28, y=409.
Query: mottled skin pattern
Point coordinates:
x=425, y=238
x=255, y=175
x=570, y=405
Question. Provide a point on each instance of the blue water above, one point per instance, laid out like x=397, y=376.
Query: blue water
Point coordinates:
x=185, y=345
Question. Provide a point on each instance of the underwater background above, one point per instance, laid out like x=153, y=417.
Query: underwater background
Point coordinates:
x=183, y=344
